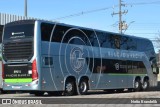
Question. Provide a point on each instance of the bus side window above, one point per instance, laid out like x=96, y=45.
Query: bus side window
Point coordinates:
x=46, y=30
x=132, y=44
x=124, y=41
x=48, y=61
x=114, y=41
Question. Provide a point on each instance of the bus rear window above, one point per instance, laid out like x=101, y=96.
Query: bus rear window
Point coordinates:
x=20, y=31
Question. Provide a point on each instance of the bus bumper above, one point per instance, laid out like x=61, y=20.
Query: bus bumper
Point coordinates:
x=21, y=86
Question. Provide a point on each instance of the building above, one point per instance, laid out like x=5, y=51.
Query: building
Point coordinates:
x=6, y=18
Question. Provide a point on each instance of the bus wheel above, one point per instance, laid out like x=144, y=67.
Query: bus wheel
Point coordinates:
x=83, y=87
x=0, y=91
x=39, y=93
x=130, y=89
x=110, y=90
x=69, y=88
x=55, y=93
x=137, y=85
x=119, y=90
x=3, y=92
x=145, y=85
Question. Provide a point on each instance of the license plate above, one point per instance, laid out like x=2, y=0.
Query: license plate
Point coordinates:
x=16, y=87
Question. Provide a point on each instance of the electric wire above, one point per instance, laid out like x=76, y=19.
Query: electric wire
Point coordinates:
x=103, y=9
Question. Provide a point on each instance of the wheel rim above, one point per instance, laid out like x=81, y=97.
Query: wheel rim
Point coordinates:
x=83, y=87
x=69, y=87
x=145, y=85
x=136, y=84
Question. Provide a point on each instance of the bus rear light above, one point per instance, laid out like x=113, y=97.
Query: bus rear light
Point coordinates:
x=2, y=70
x=34, y=70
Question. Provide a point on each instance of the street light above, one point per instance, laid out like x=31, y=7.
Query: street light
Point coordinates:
x=25, y=8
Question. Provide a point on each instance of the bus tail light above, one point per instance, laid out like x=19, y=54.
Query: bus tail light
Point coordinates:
x=2, y=70
x=34, y=70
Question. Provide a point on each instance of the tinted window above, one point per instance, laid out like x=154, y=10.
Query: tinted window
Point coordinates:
x=132, y=44
x=66, y=34
x=77, y=41
x=148, y=49
x=101, y=39
x=128, y=43
x=19, y=31
x=124, y=43
x=115, y=66
x=46, y=30
x=106, y=43
x=48, y=61
x=92, y=40
x=1, y=30
x=114, y=41
x=59, y=33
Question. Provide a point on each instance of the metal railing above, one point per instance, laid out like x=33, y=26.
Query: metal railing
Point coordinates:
x=6, y=18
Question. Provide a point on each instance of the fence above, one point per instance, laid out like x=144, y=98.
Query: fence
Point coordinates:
x=6, y=18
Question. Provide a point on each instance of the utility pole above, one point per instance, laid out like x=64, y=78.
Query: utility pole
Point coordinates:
x=120, y=13
x=120, y=17
x=25, y=8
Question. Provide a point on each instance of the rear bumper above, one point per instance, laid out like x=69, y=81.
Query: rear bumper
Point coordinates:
x=22, y=86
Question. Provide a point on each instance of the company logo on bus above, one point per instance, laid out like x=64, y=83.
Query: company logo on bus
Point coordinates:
x=117, y=66
x=76, y=59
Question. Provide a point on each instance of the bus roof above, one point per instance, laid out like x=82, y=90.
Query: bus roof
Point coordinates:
x=85, y=28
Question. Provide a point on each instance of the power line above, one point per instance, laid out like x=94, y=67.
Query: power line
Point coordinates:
x=144, y=3
x=144, y=33
x=102, y=9
x=82, y=13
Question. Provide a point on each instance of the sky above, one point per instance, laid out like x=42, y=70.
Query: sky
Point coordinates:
x=143, y=16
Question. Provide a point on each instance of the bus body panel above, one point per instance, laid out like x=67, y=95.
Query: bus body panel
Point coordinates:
x=106, y=68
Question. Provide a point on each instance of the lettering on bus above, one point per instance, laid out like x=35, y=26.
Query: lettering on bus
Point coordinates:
x=16, y=35
x=122, y=66
x=118, y=54
x=17, y=75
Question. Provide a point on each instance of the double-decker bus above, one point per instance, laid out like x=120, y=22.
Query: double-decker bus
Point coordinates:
x=41, y=56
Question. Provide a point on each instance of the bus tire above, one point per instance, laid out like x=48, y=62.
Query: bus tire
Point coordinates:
x=69, y=88
x=0, y=91
x=145, y=85
x=39, y=93
x=119, y=90
x=137, y=85
x=4, y=92
x=110, y=90
x=130, y=89
x=55, y=93
x=83, y=87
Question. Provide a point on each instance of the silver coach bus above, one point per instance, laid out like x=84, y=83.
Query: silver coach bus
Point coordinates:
x=42, y=56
